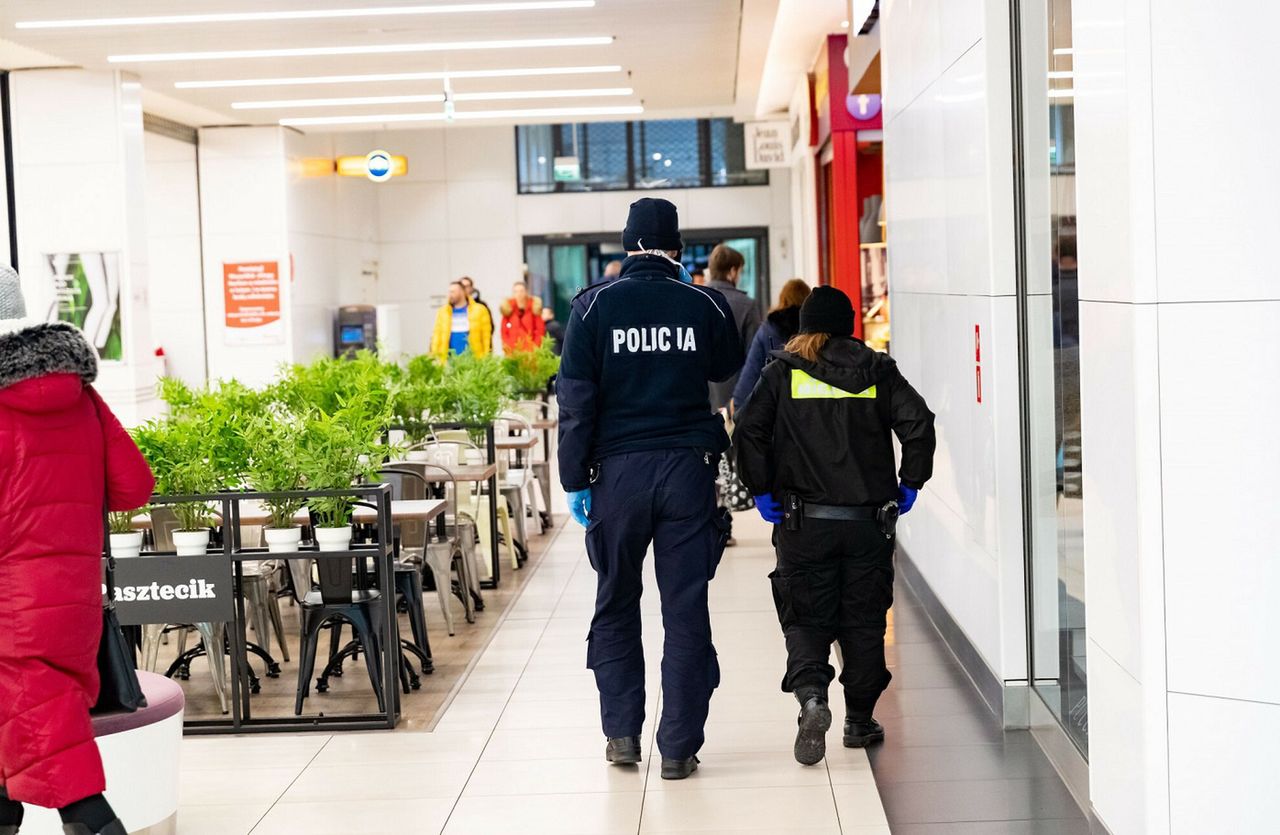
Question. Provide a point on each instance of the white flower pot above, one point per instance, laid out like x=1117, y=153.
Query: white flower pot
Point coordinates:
x=191, y=543
x=475, y=458
x=333, y=539
x=126, y=544
x=283, y=540
x=418, y=456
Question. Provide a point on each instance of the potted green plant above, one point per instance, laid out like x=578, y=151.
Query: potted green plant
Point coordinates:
x=125, y=540
x=335, y=451
x=530, y=370
x=414, y=395
x=274, y=467
x=472, y=391
x=177, y=448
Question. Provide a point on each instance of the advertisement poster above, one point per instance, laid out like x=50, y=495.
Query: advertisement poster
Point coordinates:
x=86, y=293
x=251, y=292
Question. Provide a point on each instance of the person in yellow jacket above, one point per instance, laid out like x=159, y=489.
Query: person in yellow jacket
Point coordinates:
x=462, y=325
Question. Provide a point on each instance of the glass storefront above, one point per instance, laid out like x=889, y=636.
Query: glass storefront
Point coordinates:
x=1051, y=330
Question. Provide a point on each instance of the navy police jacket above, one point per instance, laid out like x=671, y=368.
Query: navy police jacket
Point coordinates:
x=638, y=354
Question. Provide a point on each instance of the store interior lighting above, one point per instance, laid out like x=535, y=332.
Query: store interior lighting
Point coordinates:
x=462, y=115
x=509, y=95
x=367, y=49
x=366, y=78
x=308, y=14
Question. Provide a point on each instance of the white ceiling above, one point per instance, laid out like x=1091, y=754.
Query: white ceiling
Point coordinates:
x=680, y=56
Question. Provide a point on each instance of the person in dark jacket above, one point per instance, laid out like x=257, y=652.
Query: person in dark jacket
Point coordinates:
x=725, y=268
x=782, y=323
x=555, y=330
x=63, y=456
x=817, y=435
x=639, y=451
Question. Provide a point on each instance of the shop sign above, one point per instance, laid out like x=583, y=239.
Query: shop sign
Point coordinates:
x=768, y=144
x=251, y=295
x=167, y=589
x=377, y=165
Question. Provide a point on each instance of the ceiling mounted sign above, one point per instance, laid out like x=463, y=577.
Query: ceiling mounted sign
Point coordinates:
x=378, y=166
x=768, y=144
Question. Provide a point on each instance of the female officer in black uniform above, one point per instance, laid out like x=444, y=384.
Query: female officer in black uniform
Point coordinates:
x=814, y=443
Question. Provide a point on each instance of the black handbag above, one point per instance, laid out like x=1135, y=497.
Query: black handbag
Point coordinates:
x=120, y=690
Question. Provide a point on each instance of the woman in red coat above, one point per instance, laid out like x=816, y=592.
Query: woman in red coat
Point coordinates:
x=62, y=454
x=522, y=325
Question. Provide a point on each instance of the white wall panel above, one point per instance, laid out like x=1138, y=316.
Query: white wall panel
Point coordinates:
x=482, y=209
x=413, y=211
x=1221, y=575
x=417, y=271
x=1222, y=781
x=722, y=207
x=961, y=100
x=1117, y=727
x=551, y=214
x=1216, y=225
x=480, y=153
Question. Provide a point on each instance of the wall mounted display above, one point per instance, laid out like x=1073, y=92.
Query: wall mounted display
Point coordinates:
x=251, y=294
x=86, y=293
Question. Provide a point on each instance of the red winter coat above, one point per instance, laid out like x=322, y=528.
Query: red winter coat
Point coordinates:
x=522, y=327
x=61, y=449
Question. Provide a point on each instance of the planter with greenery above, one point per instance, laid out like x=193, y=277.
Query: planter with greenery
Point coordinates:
x=472, y=392
x=335, y=451
x=274, y=467
x=125, y=541
x=530, y=371
x=179, y=452
x=414, y=396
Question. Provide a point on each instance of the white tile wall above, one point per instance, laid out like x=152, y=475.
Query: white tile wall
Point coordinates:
x=1222, y=781
x=1117, y=731
x=1218, y=452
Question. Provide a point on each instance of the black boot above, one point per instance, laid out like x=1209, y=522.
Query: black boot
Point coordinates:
x=10, y=814
x=113, y=828
x=814, y=721
x=860, y=732
x=624, y=750
x=678, y=769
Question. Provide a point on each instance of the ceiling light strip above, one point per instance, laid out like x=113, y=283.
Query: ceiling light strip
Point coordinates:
x=368, y=49
x=352, y=101
x=395, y=76
x=308, y=14
x=532, y=113
x=510, y=95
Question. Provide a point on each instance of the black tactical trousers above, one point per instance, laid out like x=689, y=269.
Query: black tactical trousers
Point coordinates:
x=834, y=583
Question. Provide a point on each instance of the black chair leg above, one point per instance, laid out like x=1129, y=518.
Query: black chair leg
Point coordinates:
x=307, y=661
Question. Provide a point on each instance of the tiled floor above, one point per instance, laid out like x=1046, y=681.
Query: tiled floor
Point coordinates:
x=520, y=749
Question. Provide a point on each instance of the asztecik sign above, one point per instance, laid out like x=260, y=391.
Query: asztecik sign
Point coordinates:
x=173, y=590
x=251, y=292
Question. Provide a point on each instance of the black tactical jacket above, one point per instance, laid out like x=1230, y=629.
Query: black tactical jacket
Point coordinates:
x=823, y=430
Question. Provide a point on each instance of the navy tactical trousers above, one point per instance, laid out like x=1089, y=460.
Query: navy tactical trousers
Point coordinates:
x=667, y=498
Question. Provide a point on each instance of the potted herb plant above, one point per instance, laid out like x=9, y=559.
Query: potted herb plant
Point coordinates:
x=125, y=541
x=530, y=370
x=177, y=448
x=335, y=451
x=274, y=467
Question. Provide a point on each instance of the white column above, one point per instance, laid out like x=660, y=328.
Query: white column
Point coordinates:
x=1181, y=382
x=79, y=179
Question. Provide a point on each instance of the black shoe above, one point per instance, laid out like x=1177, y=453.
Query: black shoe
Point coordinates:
x=814, y=721
x=859, y=734
x=678, y=769
x=624, y=750
x=113, y=828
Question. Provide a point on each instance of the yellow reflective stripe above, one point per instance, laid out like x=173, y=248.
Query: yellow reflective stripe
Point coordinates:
x=804, y=387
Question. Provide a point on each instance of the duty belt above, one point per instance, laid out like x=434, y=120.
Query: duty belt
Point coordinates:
x=841, y=513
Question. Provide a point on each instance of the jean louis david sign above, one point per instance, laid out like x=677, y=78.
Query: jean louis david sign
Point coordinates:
x=251, y=293
x=768, y=144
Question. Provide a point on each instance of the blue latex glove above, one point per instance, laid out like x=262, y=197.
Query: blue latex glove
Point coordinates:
x=906, y=499
x=580, y=506
x=769, y=509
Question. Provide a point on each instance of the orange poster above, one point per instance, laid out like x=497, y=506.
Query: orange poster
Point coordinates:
x=251, y=292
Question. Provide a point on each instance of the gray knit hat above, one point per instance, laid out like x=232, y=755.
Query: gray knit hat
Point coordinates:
x=11, y=304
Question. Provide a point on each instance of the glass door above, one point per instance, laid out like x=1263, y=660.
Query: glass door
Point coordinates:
x=1051, y=347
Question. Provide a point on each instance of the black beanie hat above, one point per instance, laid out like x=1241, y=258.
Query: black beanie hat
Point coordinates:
x=827, y=310
x=652, y=224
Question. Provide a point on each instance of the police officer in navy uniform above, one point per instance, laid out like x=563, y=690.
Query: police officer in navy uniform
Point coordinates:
x=815, y=443
x=639, y=451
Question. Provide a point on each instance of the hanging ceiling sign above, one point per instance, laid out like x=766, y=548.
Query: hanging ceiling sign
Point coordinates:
x=768, y=144
x=378, y=166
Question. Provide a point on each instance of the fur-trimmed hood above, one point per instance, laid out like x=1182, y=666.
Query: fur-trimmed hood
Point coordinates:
x=30, y=349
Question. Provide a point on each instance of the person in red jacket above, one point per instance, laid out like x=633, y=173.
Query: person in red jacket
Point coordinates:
x=62, y=455
x=522, y=325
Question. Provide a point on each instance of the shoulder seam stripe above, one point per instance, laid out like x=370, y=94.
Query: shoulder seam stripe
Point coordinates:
x=613, y=283
x=701, y=291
